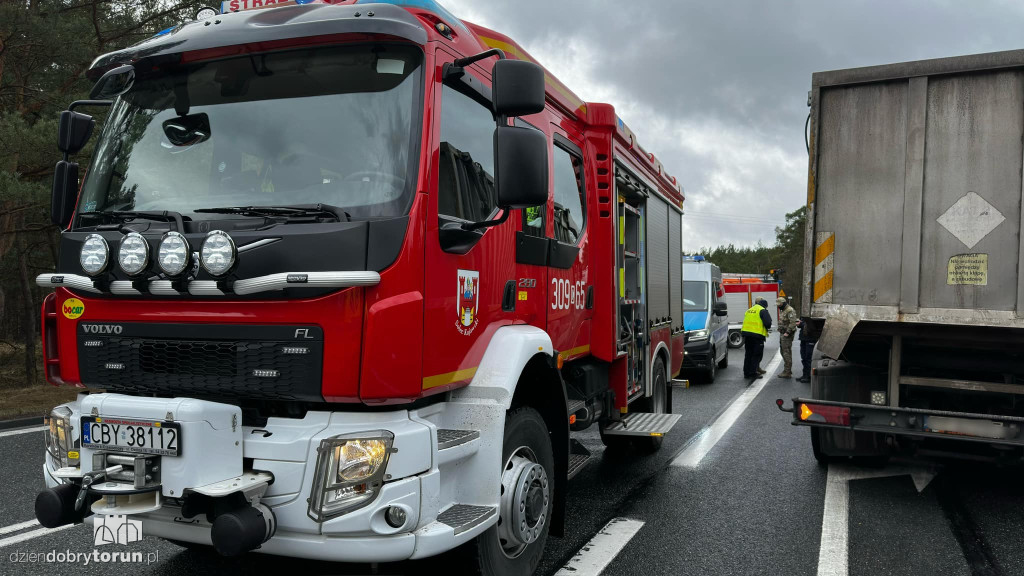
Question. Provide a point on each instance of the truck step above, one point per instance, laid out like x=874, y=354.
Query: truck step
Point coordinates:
x=462, y=517
x=578, y=457
x=575, y=406
x=448, y=438
x=642, y=424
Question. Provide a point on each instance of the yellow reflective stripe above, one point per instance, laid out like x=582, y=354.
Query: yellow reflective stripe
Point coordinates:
x=825, y=249
x=824, y=260
x=575, y=351
x=622, y=282
x=448, y=378
x=823, y=286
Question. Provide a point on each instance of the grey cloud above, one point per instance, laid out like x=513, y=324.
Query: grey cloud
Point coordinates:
x=718, y=89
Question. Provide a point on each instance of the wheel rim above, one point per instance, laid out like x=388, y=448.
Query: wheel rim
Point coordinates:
x=525, y=496
x=735, y=339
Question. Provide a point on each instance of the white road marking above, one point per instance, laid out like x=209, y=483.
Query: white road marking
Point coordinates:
x=597, y=554
x=705, y=440
x=835, y=523
x=20, y=526
x=32, y=534
x=22, y=431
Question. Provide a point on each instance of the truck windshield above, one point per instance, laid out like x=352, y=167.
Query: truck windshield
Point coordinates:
x=695, y=296
x=326, y=125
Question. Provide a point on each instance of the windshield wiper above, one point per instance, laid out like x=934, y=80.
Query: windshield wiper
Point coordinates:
x=287, y=212
x=122, y=216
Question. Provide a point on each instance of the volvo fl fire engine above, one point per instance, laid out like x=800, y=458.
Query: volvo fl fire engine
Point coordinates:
x=341, y=281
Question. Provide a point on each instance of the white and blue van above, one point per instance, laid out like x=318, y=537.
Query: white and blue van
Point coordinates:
x=705, y=317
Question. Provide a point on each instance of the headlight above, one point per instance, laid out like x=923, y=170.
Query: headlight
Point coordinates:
x=94, y=254
x=218, y=253
x=133, y=255
x=697, y=335
x=173, y=255
x=58, y=438
x=349, y=472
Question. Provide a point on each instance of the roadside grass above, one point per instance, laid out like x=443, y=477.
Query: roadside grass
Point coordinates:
x=20, y=398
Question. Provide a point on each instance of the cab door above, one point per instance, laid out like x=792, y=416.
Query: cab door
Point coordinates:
x=466, y=295
x=570, y=290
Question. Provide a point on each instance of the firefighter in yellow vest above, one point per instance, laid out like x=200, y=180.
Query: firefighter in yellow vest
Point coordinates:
x=756, y=323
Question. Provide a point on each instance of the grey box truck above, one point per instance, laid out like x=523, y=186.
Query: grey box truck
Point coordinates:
x=913, y=259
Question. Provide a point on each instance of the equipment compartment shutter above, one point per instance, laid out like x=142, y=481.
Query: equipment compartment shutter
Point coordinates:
x=675, y=267
x=657, y=258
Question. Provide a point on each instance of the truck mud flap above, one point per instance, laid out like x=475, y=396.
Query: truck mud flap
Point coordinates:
x=938, y=424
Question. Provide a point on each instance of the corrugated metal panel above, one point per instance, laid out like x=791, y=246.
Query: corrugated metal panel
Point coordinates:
x=657, y=258
x=972, y=188
x=675, y=267
x=861, y=165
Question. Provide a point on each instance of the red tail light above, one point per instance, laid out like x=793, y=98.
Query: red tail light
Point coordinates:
x=51, y=362
x=825, y=414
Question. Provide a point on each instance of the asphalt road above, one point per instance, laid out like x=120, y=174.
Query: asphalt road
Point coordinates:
x=755, y=502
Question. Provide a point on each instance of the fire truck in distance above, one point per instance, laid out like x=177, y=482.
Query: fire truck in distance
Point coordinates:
x=741, y=291
x=349, y=276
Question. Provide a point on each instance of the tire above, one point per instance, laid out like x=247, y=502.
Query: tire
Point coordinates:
x=735, y=339
x=711, y=372
x=823, y=459
x=526, y=439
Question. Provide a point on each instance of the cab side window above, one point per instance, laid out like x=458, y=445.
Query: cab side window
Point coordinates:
x=465, y=184
x=569, y=196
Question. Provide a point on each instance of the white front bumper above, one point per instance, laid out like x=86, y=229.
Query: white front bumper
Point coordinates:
x=287, y=449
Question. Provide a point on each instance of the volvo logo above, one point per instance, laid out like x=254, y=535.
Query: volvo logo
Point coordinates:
x=102, y=328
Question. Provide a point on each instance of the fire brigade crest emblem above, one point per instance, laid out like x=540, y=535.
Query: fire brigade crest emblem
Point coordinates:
x=469, y=289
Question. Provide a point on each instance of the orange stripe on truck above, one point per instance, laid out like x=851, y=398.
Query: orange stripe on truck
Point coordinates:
x=824, y=249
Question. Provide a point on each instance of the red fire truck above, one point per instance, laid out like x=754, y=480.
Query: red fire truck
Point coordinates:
x=254, y=289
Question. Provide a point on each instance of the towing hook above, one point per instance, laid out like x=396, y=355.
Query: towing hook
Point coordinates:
x=782, y=405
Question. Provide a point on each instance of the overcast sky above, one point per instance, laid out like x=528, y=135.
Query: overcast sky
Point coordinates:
x=717, y=89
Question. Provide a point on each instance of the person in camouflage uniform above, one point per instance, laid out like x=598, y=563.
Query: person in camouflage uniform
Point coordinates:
x=787, y=331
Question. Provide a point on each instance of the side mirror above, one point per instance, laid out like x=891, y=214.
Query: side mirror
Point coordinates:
x=517, y=88
x=721, y=309
x=65, y=193
x=520, y=167
x=74, y=131
x=113, y=83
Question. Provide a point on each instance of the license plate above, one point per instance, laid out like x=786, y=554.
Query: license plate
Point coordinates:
x=129, y=435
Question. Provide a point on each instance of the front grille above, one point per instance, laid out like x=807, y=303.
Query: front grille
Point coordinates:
x=203, y=361
x=691, y=360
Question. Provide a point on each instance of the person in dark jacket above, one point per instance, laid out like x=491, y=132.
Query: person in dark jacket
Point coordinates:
x=808, y=338
x=757, y=321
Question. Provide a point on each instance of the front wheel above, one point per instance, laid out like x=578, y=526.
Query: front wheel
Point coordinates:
x=514, y=546
x=712, y=370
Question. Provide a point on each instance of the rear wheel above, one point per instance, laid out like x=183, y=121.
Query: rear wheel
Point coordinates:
x=514, y=545
x=735, y=339
x=656, y=404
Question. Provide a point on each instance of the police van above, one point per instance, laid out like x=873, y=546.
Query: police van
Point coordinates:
x=705, y=317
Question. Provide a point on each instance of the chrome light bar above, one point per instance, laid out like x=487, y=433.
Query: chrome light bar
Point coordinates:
x=305, y=280
x=268, y=283
x=70, y=280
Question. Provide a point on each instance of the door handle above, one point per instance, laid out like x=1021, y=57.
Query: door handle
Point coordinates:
x=508, y=299
x=590, y=297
